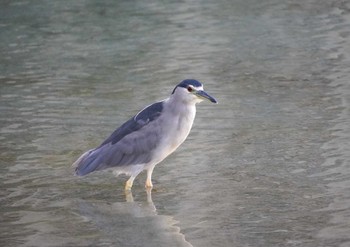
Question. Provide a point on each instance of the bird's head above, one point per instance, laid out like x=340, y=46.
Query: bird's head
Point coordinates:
x=191, y=91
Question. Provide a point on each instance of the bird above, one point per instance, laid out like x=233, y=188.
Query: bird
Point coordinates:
x=149, y=137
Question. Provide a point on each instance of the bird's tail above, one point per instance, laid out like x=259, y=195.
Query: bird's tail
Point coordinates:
x=86, y=163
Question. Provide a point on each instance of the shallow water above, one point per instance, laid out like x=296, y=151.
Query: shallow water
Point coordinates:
x=267, y=166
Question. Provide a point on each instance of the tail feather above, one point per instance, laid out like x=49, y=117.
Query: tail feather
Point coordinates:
x=86, y=163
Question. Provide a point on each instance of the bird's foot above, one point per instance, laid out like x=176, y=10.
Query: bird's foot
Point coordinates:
x=128, y=185
x=149, y=184
x=128, y=196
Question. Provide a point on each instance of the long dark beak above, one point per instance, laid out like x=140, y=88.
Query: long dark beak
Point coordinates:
x=204, y=95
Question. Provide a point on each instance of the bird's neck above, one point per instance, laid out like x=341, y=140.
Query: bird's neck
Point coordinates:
x=181, y=109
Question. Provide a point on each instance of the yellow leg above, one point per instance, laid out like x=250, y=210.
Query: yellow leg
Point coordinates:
x=149, y=184
x=129, y=183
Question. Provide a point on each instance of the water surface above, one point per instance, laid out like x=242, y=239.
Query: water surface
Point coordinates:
x=267, y=166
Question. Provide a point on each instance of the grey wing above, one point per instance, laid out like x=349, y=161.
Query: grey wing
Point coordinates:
x=135, y=148
x=141, y=119
x=132, y=143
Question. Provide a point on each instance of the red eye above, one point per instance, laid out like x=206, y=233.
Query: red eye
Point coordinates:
x=190, y=89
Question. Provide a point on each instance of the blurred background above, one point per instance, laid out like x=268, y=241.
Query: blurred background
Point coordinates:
x=267, y=166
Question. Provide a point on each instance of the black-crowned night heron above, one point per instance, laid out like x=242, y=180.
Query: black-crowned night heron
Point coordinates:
x=147, y=138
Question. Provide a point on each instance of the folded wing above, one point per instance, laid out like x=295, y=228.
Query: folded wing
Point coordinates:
x=131, y=144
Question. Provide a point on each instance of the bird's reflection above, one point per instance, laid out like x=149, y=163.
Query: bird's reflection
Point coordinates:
x=147, y=208
x=131, y=222
x=129, y=197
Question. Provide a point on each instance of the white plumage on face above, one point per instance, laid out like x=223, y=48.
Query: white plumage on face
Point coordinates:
x=191, y=91
x=187, y=94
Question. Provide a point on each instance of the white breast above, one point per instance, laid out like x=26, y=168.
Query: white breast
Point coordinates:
x=177, y=123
